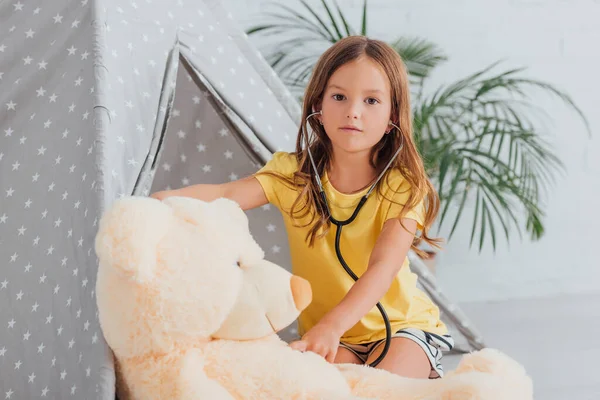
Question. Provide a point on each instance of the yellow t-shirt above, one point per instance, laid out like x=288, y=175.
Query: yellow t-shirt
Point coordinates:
x=405, y=304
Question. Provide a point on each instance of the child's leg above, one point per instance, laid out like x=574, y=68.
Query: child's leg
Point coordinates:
x=404, y=358
x=413, y=353
x=345, y=356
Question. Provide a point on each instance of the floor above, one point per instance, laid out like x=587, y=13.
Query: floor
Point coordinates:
x=556, y=339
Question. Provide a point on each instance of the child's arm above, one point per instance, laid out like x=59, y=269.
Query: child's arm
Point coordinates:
x=386, y=260
x=247, y=192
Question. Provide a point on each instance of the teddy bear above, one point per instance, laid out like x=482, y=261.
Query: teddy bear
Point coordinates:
x=191, y=309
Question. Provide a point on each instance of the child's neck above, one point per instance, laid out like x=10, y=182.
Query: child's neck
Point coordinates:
x=350, y=173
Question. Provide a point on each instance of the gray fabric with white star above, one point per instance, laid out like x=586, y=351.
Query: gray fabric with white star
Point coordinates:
x=84, y=91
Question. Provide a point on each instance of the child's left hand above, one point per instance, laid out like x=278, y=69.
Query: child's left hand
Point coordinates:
x=322, y=339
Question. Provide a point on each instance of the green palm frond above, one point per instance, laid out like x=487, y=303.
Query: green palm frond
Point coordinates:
x=420, y=56
x=479, y=144
x=305, y=35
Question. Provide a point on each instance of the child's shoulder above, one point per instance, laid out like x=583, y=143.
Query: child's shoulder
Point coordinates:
x=395, y=180
x=284, y=157
x=282, y=162
x=397, y=191
x=395, y=185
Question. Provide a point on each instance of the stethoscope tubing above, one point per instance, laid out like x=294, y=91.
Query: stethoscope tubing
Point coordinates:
x=338, y=234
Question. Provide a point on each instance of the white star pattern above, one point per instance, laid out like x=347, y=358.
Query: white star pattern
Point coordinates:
x=24, y=217
x=49, y=154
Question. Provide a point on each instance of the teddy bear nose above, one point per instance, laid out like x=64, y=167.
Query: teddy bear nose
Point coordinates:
x=301, y=292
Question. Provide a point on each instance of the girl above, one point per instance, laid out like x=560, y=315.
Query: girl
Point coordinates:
x=359, y=107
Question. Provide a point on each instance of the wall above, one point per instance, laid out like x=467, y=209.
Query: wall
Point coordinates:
x=558, y=42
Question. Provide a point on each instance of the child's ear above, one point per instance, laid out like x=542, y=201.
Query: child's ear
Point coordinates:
x=317, y=109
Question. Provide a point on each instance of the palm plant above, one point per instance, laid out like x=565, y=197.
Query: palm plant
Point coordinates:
x=476, y=135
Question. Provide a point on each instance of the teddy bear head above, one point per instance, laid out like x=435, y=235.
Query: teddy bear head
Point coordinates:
x=180, y=271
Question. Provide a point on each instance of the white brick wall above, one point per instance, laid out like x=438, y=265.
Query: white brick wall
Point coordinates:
x=559, y=42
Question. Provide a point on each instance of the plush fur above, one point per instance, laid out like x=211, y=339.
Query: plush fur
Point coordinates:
x=190, y=308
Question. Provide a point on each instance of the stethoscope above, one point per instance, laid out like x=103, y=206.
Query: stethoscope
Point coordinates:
x=338, y=234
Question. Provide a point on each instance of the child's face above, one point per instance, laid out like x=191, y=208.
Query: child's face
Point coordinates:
x=357, y=94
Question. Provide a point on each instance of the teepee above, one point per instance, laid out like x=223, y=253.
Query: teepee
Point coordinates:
x=104, y=99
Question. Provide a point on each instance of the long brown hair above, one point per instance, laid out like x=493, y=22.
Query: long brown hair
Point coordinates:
x=408, y=161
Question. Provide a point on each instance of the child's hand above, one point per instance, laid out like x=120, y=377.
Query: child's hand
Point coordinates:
x=322, y=339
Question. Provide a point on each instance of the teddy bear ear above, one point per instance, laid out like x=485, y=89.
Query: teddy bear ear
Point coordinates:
x=128, y=235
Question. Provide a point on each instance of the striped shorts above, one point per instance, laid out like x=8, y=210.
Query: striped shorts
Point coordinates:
x=433, y=345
